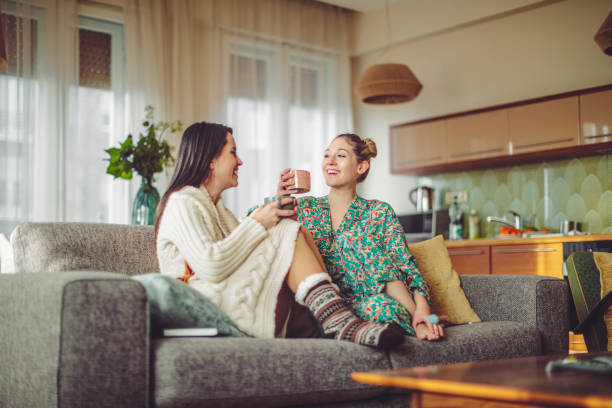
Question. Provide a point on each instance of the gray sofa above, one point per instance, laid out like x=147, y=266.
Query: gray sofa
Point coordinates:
x=74, y=332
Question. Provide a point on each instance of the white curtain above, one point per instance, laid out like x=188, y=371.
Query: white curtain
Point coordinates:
x=285, y=103
x=276, y=71
x=34, y=101
x=53, y=131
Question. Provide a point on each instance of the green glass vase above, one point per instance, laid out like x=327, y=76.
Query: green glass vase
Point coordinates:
x=145, y=203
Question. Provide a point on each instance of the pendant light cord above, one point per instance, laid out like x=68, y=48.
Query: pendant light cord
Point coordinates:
x=383, y=50
x=388, y=25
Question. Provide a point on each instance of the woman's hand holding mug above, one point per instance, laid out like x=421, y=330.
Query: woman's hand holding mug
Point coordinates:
x=286, y=181
x=293, y=182
x=270, y=214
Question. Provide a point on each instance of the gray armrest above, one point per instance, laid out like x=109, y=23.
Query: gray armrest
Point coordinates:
x=73, y=339
x=539, y=301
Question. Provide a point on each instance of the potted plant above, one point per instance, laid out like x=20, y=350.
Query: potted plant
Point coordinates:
x=147, y=156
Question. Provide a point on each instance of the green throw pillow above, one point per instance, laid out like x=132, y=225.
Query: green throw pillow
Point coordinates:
x=173, y=304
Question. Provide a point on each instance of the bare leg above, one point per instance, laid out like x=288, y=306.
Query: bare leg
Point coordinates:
x=305, y=262
x=313, y=246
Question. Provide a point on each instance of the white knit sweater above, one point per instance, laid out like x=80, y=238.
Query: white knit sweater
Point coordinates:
x=238, y=265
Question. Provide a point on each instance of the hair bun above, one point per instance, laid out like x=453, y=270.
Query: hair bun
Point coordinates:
x=371, y=147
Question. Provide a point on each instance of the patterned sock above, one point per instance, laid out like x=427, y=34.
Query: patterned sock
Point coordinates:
x=338, y=321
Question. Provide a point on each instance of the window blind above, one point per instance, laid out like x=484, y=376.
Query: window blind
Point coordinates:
x=94, y=59
x=303, y=87
x=247, y=77
x=21, y=60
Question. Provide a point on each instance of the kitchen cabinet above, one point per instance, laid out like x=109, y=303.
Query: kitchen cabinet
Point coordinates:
x=566, y=125
x=522, y=259
x=477, y=136
x=472, y=260
x=418, y=145
x=528, y=259
x=544, y=125
x=596, y=117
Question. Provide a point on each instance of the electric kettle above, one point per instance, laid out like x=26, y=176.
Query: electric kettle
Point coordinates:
x=424, y=198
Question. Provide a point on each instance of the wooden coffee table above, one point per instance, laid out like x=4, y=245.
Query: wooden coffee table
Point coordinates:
x=518, y=380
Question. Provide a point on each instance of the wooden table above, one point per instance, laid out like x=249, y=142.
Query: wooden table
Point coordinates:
x=518, y=380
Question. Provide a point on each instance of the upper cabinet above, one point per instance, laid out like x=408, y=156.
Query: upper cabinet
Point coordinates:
x=545, y=125
x=558, y=126
x=418, y=145
x=596, y=117
x=477, y=136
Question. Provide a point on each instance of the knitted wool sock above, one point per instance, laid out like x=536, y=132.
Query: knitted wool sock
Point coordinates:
x=338, y=321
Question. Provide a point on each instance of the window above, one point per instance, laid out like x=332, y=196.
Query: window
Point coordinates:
x=19, y=87
x=91, y=194
x=307, y=111
x=285, y=103
x=52, y=136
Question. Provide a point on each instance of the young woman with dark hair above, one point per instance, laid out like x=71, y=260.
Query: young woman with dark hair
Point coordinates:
x=362, y=242
x=243, y=266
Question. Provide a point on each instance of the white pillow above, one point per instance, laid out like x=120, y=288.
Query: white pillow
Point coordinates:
x=6, y=256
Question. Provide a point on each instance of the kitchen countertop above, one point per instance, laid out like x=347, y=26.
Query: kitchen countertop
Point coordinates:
x=512, y=240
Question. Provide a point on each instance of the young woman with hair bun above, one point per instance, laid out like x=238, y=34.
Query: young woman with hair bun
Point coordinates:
x=362, y=242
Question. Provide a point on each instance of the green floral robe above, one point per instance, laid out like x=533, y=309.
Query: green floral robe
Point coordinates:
x=367, y=250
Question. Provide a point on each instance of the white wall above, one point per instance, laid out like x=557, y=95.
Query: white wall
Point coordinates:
x=541, y=51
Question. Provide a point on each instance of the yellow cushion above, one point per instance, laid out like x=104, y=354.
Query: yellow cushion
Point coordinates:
x=603, y=260
x=447, y=296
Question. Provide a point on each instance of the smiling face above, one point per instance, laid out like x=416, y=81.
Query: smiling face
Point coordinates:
x=224, y=168
x=340, y=165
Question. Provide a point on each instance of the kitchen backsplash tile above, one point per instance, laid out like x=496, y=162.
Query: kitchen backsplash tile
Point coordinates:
x=543, y=194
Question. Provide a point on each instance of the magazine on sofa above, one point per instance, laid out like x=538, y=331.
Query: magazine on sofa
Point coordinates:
x=191, y=332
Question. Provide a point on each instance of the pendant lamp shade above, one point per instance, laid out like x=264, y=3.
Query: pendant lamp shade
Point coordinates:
x=2, y=47
x=603, y=38
x=384, y=84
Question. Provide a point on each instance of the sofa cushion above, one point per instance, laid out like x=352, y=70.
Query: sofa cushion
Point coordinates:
x=447, y=297
x=69, y=246
x=470, y=342
x=222, y=372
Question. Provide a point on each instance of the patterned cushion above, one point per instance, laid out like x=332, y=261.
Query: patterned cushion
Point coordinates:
x=447, y=297
x=603, y=260
x=589, y=284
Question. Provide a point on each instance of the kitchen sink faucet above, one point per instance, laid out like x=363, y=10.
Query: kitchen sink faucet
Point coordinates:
x=518, y=224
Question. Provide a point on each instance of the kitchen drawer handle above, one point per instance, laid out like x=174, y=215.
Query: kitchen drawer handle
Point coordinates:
x=467, y=252
x=598, y=136
x=497, y=149
x=419, y=160
x=541, y=143
x=514, y=251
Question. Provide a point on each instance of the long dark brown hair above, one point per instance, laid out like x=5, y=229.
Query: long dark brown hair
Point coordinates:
x=365, y=149
x=201, y=143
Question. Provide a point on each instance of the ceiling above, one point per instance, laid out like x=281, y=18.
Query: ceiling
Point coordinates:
x=414, y=19
x=363, y=6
